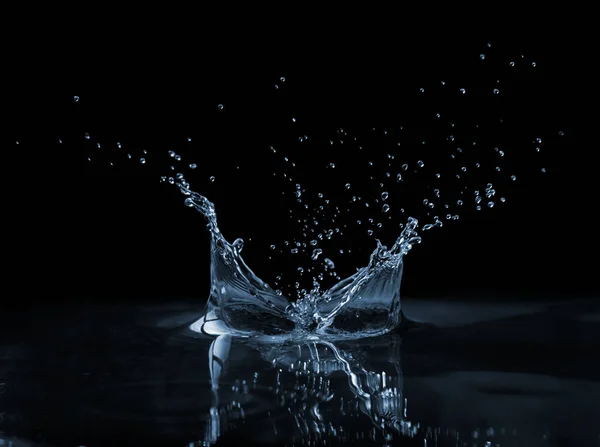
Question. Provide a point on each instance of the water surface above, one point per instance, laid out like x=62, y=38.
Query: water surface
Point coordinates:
x=505, y=373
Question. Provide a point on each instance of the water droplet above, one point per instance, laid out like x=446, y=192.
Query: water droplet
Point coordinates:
x=463, y=91
x=329, y=263
x=315, y=254
x=502, y=199
x=399, y=177
x=188, y=202
x=178, y=157
x=272, y=247
x=211, y=178
x=172, y=154
x=142, y=160
x=543, y=169
x=496, y=91
x=171, y=180
x=513, y=177
x=512, y=64
x=332, y=165
x=238, y=245
x=490, y=204
x=404, y=167
x=384, y=195
x=347, y=185
x=438, y=175
x=220, y=106
x=385, y=208
x=76, y=98
x=294, y=251
x=87, y=136
x=421, y=89
x=420, y=163
x=482, y=56
x=533, y=64
x=193, y=166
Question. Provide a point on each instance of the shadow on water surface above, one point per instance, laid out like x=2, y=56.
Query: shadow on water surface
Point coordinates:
x=489, y=374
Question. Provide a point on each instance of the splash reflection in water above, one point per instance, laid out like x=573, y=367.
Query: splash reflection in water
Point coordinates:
x=307, y=382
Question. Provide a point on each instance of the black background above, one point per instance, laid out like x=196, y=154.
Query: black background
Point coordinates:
x=88, y=229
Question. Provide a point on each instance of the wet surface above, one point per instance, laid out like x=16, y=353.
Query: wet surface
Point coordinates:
x=512, y=373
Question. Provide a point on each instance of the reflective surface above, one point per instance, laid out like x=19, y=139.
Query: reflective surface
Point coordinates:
x=491, y=373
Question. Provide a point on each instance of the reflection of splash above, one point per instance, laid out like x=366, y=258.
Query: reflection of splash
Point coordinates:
x=364, y=304
x=307, y=385
x=217, y=356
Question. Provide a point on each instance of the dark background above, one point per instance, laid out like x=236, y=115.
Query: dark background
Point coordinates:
x=88, y=229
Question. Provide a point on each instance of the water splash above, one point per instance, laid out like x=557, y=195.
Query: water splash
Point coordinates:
x=240, y=303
